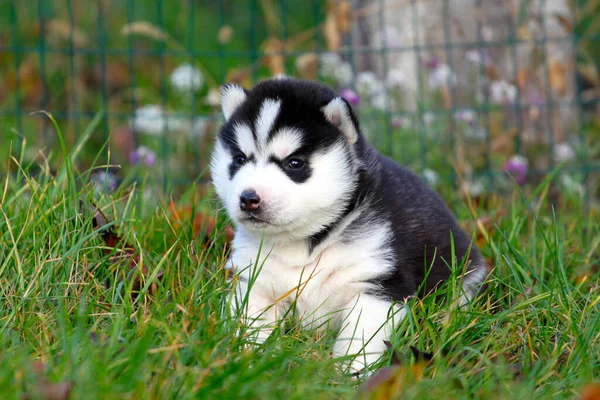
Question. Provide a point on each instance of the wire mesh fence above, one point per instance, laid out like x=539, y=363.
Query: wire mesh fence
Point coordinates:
x=462, y=91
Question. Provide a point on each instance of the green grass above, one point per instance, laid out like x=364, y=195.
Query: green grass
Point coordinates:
x=534, y=332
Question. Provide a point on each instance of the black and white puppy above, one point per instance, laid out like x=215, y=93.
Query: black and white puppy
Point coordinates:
x=330, y=224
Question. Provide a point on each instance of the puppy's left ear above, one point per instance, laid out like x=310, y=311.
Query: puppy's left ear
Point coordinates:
x=339, y=113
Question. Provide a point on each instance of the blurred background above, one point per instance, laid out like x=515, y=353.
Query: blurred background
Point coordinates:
x=477, y=96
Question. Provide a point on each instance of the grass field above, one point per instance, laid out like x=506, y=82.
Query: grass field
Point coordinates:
x=534, y=332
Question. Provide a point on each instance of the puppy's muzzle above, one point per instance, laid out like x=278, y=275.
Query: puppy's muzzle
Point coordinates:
x=249, y=201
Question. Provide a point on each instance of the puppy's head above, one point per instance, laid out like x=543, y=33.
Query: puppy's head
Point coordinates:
x=284, y=161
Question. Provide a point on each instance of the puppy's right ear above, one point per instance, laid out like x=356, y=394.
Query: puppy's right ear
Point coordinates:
x=232, y=96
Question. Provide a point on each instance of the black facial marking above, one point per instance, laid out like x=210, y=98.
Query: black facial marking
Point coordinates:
x=296, y=175
x=235, y=166
x=301, y=104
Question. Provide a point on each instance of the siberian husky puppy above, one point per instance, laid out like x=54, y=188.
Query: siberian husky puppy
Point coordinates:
x=325, y=222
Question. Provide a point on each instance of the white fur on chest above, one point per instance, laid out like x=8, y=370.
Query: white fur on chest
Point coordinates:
x=320, y=283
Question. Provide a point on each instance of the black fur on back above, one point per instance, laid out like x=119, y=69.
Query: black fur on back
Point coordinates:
x=423, y=229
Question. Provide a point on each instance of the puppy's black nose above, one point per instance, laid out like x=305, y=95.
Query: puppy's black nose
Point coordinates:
x=249, y=201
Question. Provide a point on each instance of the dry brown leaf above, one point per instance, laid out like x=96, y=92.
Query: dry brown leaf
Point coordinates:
x=45, y=389
x=534, y=113
x=388, y=383
x=144, y=28
x=591, y=391
x=582, y=278
x=202, y=223
x=122, y=140
x=125, y=253
x=503, y=143
x=558, y=80
x=225, y=34
x=116, y=75
x=343, y=13
x=589, y=71
x=241, y=76
x=331, y=32
x=565, y=22
x=524, y=33
x=493, y=72
x=446, y=97
x=273, y=58
x=29, y=79
x=63, y=30
x=307, y=65
x=271, y=18
x=523, y=78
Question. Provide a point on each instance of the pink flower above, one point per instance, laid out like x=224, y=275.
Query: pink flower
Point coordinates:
x=517, y=167
x=350, y=96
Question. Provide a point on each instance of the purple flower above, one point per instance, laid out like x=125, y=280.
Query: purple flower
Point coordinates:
x=432, y=63
x=517, y=167
x=150, y=159
x=350, y=96
x=144, y=154
x=134, y=158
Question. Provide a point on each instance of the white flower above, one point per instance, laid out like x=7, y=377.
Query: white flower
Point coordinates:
x=467, y=115
x=428, y=118
x=396, y=79
x=187, y=78
x=343, y=74
x=104, y=182
x=213, y=98
x=199, y=127
x=473, y=188
x=328, y=63
x=150, y=119
x=388, y=36
x=367, y=84
x=477, y=57
x=441, y=76
x=570, y=185
x=563, y=153
x=382, y=102
x=487, y=33
x=154, y=121
x=475, y=133
x=431, y=177
x=502, y=92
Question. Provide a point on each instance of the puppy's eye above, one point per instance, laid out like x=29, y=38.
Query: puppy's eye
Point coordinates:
x=239, y=159
x=295, y=163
